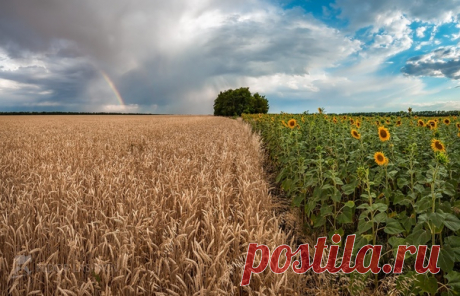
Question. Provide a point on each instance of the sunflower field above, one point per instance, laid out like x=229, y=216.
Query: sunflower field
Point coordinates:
x=390, y=180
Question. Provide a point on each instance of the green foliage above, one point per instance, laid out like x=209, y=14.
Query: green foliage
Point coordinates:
x=239, y=101
x=402, y=113
x=413, y=199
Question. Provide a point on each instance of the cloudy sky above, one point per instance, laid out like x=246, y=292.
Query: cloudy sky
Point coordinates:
x=175, y=56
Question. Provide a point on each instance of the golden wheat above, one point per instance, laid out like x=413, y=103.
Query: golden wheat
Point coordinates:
x=111, y=205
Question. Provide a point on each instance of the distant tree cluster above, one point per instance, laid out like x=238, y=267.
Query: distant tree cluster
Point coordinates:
x=236, y=102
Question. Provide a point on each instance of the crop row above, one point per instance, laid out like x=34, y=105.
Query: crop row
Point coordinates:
x=390, y=180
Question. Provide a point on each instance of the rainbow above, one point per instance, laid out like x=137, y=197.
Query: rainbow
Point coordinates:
x=113, y=88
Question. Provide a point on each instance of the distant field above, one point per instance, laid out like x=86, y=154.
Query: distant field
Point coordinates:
x=161, y=205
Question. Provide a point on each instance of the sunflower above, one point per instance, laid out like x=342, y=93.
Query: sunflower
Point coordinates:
x=398, y=123
x=334, y=120
x=358, y=124
x=320, y=111
x=446, y=121
x=344, y=117
x=292, y=123
x=384, y=134
x=377, y=122
x=437, y=145
x=352, y=121
x=415, y=116
x=420, y=123
x=433, y=124
x=355, y=134
x=458, y=125
x=284, y=123
x=380, y=158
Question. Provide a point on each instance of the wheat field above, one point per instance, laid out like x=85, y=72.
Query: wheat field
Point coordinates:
x=125, y=205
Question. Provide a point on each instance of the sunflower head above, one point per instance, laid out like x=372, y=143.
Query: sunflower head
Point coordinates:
x=420, y=123
x=284, y=123
x=334, y=120
x=409, y=109
x=384, y=134
x=437, y=145
x=380, y=158
x=432, y=123
x=320, y=110
x=398, y=123
x=446, y=121
x=415, y=116
x=292, y=123
x=458, y=125
x=358, y=124
x=355, y=134
x=352, y=121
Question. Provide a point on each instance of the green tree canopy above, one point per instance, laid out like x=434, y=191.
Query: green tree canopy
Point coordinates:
x=235, y=102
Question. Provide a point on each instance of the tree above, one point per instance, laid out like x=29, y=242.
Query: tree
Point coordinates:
x=238, y=101
x=259, y=104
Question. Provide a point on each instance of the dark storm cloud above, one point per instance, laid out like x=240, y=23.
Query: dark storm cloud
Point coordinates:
x=60, y=83
x=34, y=26
x=237, y=49
x=159, y=53
x=442, y=62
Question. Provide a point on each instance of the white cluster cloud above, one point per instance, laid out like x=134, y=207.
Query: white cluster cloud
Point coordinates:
x=420, y=32
x=364, y=14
